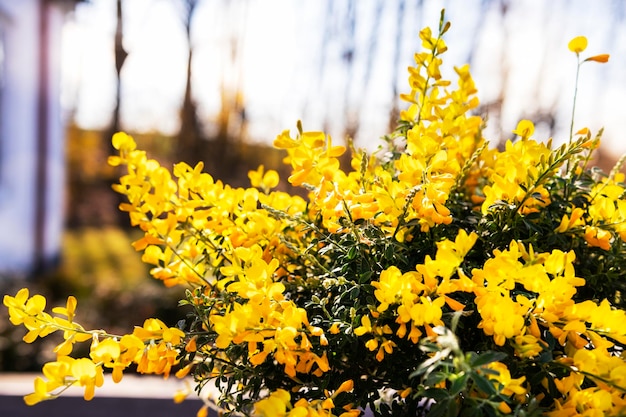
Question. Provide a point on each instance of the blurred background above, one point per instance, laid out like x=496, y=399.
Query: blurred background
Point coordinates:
x=217, y=80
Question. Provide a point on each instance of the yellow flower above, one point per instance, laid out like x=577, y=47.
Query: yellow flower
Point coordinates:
x=365, y=327
x=131, y=349
x=427, y=311
x=585, y=402
x=88, y=375
x=203, y=411
x=106, y=352
x=69, y=310
x=275, y=405
x=569, y=222
x=155, y=329
x=504, y=407
x=577, y=44
x=501, y=316
x=334, y=328
x=345, y=386
x=394, y=287
x=64, y=372
x=158, y=359
x=41, y=392
x=264, y=180
x=22, y=307
x=510, y=386
x=527, y=346
x=284, y=141
x=598, y=237
x=525, y=129
x=123, y=142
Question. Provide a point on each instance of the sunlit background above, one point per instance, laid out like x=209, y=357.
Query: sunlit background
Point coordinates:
x=337, y=65
x=217, y=80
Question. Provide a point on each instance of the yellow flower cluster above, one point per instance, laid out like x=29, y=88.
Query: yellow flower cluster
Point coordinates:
x=444, y=274
x=151, y=347
x=515, y=171
x=278, y=404
x=440, y=139
x=269, y=324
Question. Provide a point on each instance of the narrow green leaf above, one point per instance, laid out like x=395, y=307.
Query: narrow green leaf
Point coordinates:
x=459, y=384
x=435, y=378
x=484, y=384
x=486, y=358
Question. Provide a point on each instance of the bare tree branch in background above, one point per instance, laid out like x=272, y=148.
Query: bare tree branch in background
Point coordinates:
x=120, y=58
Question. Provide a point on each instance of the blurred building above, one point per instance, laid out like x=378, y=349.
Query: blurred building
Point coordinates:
x=31, y=134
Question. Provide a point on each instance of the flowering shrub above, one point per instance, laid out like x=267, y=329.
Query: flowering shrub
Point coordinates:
x=438, y=276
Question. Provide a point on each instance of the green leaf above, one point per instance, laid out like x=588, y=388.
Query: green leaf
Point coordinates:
x=352, y=252
x=365, y=277
x=435, y=378
x=472, y=411
x=486, y=358
x=389, y=253
x=438, y=394
x=438, y=410
x=354, y=292
x=459, y=384
x=484, y=384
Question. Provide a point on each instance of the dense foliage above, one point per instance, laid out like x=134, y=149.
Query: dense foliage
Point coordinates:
x=439, y=275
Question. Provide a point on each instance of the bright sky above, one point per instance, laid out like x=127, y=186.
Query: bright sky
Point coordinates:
x=281, y=57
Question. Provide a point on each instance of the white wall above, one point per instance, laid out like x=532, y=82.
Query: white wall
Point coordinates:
x=56, y=148
x=18, y=137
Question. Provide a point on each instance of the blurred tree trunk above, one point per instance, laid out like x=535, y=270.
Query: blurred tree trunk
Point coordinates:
x=120, y=58
x=224, y=148
x=394, y=113
x=91, y=202
x=190, y=135
x=111, y=204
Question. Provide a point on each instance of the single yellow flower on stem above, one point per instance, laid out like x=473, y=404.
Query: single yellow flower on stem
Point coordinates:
x=577, y=44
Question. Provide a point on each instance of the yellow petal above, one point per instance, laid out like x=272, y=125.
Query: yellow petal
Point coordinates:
x=203, y=412
x=578, y=44
x=525, y=128
x=602, y=58
x=123, y=142
x=346, y=386
x=284, y=141
x=271, y=179
x=40, y=394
